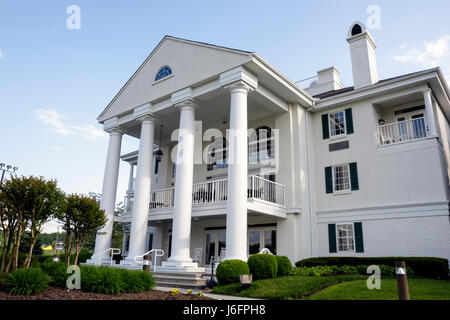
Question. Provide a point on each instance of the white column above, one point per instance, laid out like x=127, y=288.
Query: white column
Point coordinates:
x=431, y=121
x=109, y=190
x=141, y=202
x=130, y=178
x=236, y=244
x=181, y=227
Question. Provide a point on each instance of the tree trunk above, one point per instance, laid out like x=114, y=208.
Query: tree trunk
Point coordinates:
x=34, y=236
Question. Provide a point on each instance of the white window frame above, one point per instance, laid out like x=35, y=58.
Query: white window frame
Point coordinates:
x=333, y=174
x=353, y=237
x=261, y=236
x=333, y=136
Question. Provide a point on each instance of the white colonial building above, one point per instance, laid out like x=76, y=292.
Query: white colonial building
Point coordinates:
x=235, y=157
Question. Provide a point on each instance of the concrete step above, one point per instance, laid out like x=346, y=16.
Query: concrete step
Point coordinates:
x=190, y=280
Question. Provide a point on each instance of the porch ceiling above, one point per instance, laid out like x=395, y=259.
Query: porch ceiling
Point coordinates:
x=213, y=111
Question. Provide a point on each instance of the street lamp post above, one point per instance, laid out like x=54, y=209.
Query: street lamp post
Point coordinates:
x=6, y=168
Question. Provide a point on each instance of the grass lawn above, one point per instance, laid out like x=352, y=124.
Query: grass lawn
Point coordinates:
x=419, y=289
x=290, y=287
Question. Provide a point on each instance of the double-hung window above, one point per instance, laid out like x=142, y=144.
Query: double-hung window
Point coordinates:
x=337, y=123
x=345, y=239
x=341, y=178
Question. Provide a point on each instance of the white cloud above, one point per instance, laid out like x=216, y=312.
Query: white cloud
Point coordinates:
x=1, y=54
x=429, y=54
x=57, y=122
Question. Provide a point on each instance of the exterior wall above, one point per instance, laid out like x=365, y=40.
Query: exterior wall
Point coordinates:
x=415, y=167
x=444, y=131
x=402, y=236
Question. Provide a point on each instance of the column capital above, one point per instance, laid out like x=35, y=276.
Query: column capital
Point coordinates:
x=238, y=76
x=239, y=86
x=427, y=90
x=116, y=130
x=149, y=117
x=187, y=104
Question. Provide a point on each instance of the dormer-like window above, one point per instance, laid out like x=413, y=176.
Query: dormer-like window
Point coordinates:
x=163, y=73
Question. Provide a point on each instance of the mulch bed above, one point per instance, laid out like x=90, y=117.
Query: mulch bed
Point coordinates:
x=64, y=294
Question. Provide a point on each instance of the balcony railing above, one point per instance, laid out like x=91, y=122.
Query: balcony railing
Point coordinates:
x=216, y=191
x=402, y=131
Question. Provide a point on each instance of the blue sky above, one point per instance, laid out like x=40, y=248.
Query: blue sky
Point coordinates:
x=54, y=81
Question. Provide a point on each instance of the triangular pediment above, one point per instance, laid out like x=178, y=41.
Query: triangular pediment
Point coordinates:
x=190, y=61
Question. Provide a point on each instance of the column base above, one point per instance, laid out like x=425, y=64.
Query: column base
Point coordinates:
x=179, y=266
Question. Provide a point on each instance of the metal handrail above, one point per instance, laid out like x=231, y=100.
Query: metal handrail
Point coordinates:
x=141, y=260
x=113, y=252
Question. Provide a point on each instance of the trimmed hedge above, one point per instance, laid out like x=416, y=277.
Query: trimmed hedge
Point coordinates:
x=262, y=266
x=334, y=270
x=25, y=282
x=228, y=271
x=429, y=267
x=284, y=266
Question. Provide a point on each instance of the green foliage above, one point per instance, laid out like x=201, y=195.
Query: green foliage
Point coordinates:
x=262, y=266
x=81, y=219
x=82, y=257
x=101, y=280
x=136, y=280
x=228, y=271
x=26, y=282
x=284, y=266
x=110, y=280
x=57, y=272
x=428, y=267
x=25, y=244
x=337, y=270
x=282, y=288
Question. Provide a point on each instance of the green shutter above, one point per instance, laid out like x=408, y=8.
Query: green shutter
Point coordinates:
x=332, y=237
x=354, y=176
x=328, y=180
x=359, y=242
x=325, y=128
x=349, y=120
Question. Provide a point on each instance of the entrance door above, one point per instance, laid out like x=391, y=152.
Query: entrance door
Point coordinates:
x=214, y=242
x=419, y=128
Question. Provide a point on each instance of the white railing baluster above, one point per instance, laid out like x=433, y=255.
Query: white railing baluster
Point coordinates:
x=401, y=131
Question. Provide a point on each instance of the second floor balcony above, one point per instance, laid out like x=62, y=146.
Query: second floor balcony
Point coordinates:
x=402, y=131
x=215, y=192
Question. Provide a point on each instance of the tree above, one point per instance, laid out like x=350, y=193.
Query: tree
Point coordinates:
x=81, y=218
x=48, y=202
x=26, y=202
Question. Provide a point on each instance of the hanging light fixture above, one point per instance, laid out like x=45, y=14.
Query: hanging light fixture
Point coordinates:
x=159, y=153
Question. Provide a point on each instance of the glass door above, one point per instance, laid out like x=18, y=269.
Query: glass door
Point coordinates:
x=419, y=128
x=214, y=242
x=210, y=247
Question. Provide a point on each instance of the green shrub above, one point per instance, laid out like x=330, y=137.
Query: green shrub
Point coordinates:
x=57, y=272
x=26, y=282
x=136, y=280
x=228, y=271
x=428, y=267
x=101, y=280
x=262, y=266
x=110, y=280
x=284, y=266
x=331, y=270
